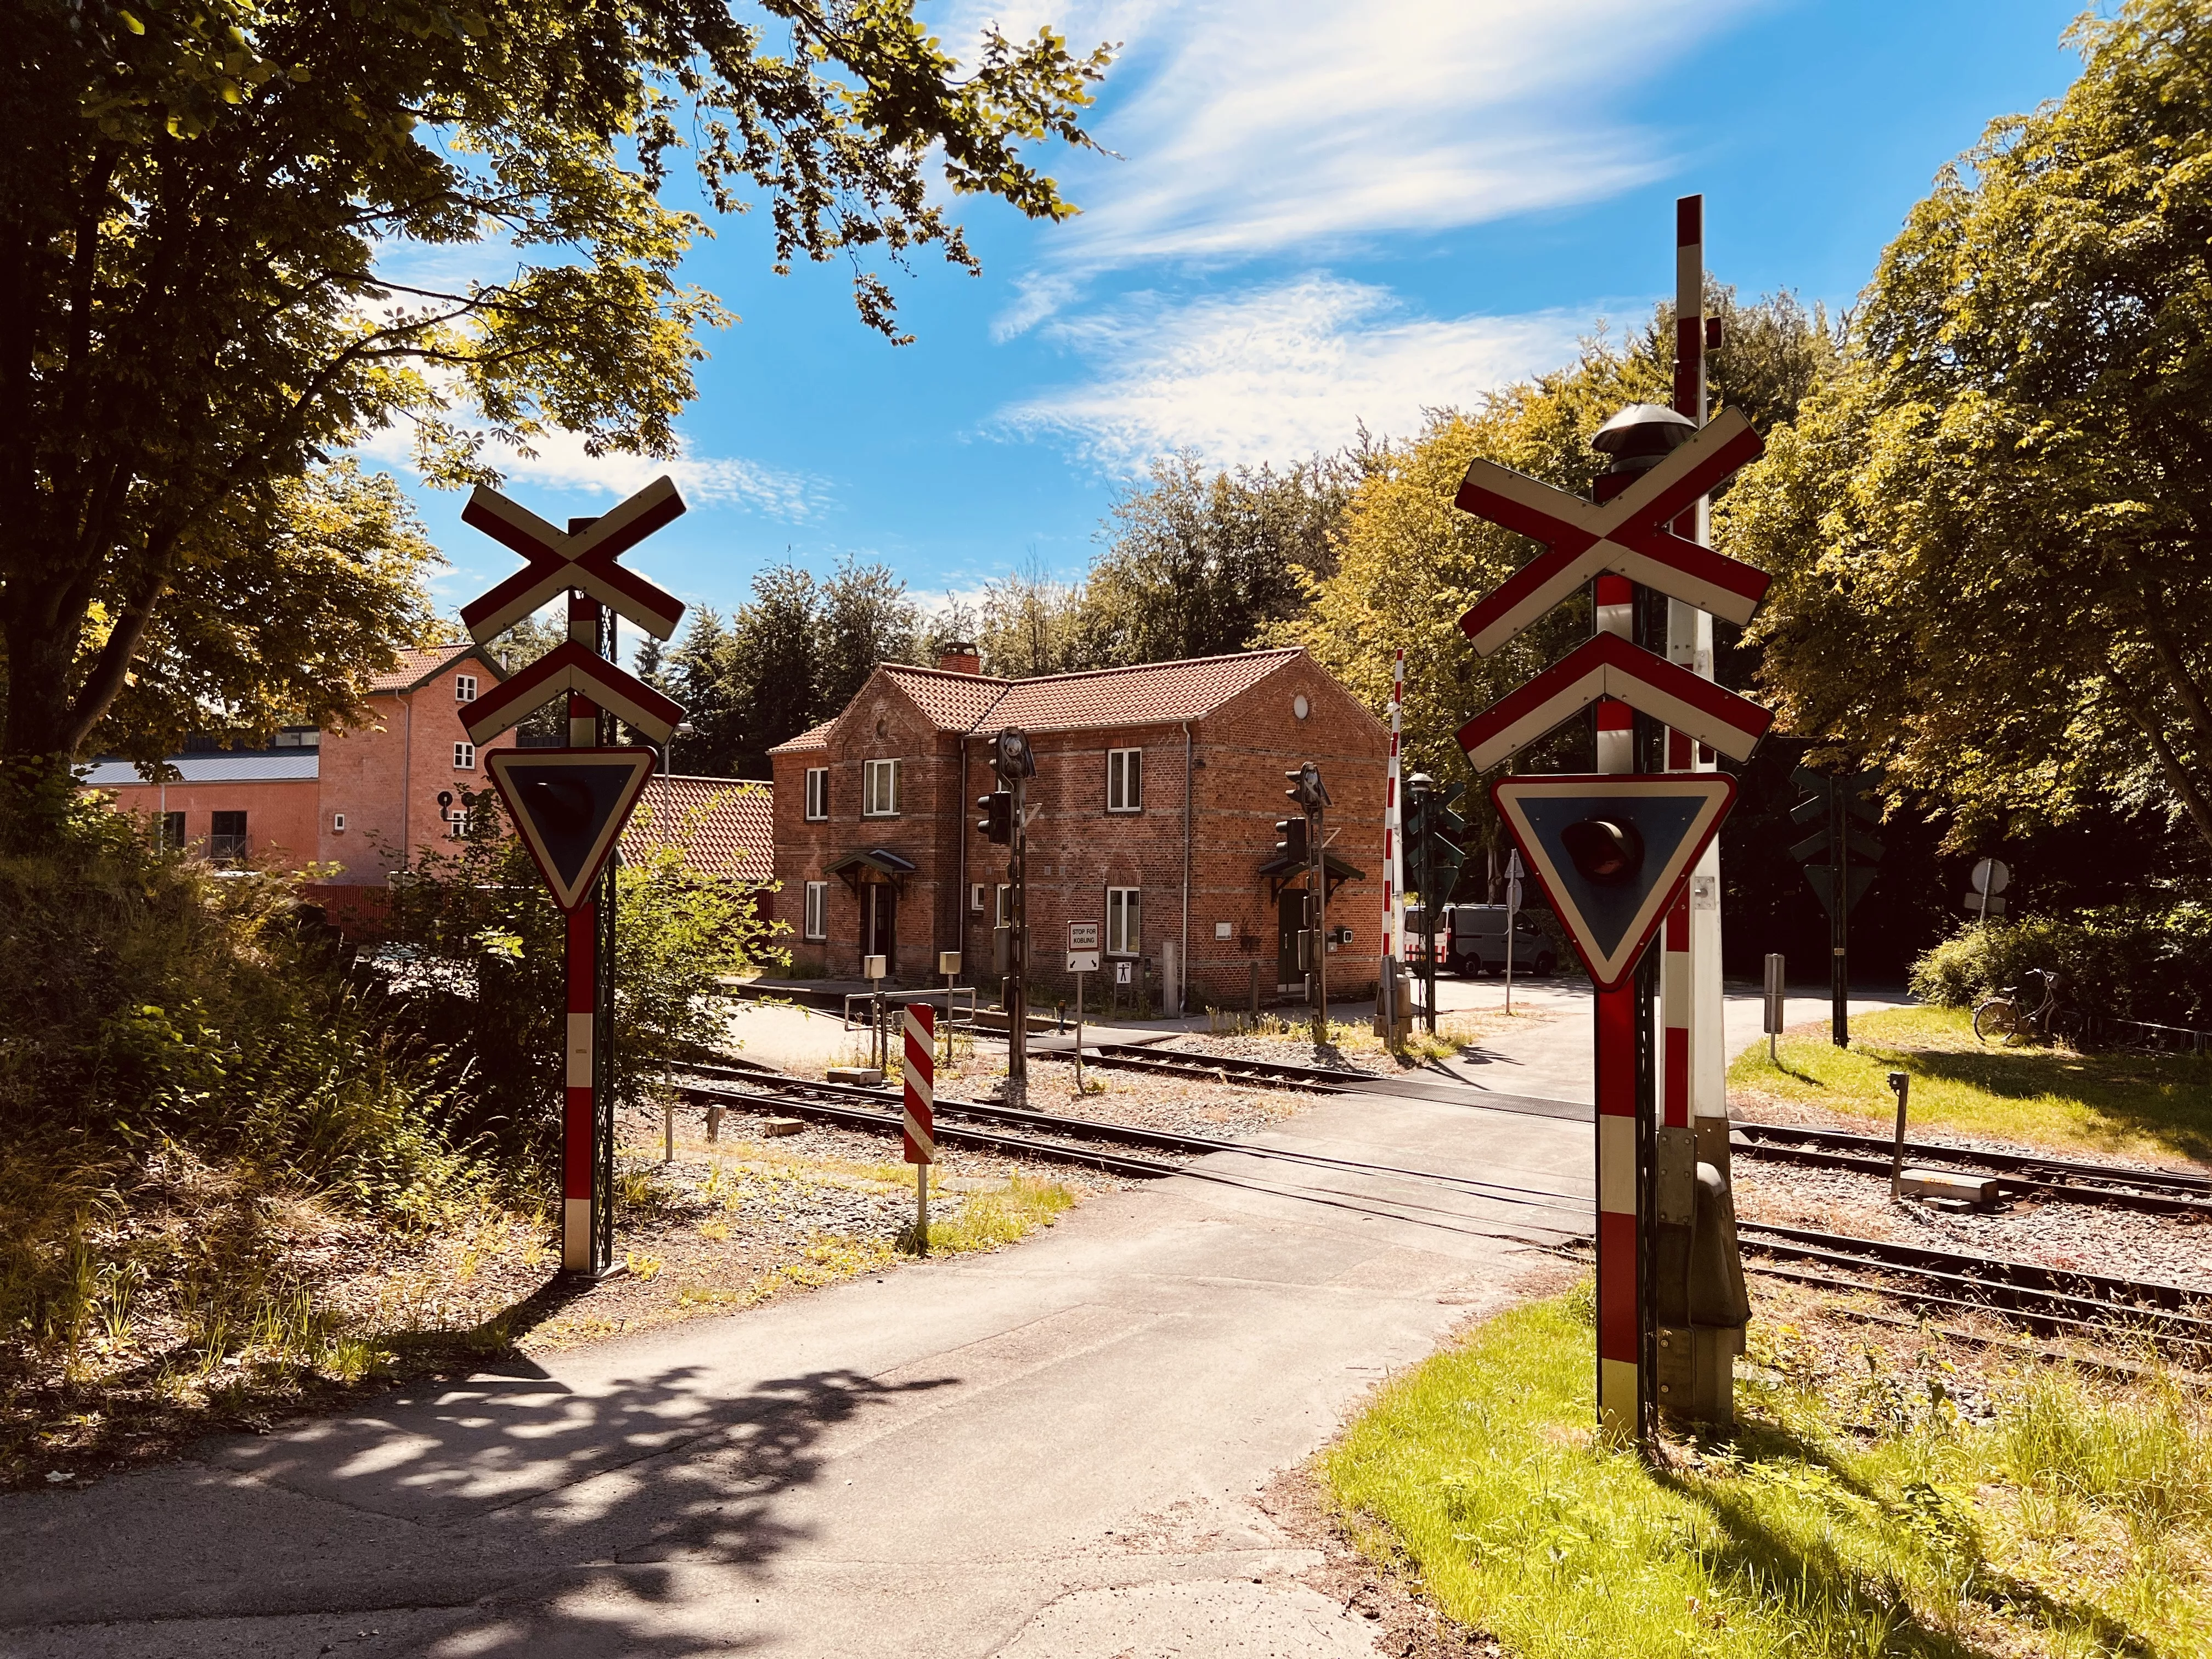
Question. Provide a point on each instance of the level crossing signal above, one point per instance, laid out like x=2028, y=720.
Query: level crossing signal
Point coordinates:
x=1435, y=843
x=1291, y=840
x=1837, y=805
x=997, y=823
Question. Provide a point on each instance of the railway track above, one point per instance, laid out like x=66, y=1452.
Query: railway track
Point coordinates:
x=2018, y=1174
x=1931, y=1281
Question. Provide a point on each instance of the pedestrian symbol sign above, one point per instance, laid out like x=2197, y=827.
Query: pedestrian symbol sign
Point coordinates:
x=1610, y=851
x=569, y=804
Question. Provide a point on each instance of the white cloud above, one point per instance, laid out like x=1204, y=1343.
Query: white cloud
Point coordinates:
x=1247, y=131
x=1276, y=373
x=561, y=463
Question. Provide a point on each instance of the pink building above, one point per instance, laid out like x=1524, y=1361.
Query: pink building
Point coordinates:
x=363, y=799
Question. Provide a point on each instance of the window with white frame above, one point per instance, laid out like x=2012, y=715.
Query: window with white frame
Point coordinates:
x=818, y=910
x=817, y=793
x=976, y=897
x=464, y=688
x=879, y=791
x=464, y=757
x=1125, y=780
x=1125, y=920
x=1002, y=913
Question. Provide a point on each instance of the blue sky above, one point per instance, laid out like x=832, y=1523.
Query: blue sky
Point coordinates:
x=1319, y=215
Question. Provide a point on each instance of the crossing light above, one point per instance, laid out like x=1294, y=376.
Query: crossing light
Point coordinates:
x=1306, y=786
x=1292, y=844
x=1010, y=756
x=1608, y=853
x=997, y=823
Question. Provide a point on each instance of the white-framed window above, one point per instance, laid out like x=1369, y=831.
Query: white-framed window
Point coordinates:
x=337, y=823
x=1124, y=921
x=1125, y=780
x=464, y=757
x=817, y=911
x=817, y=793
x=976, y=897
x=1002, y=912
x=879, y=793
x=464, y=688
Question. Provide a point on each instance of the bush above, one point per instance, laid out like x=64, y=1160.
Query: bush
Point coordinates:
x=184, y=1045
x=473, y=947
x=2123, y=960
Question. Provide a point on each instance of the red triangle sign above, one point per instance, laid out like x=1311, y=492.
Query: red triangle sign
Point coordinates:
x=569, y=804
x=1610, y=851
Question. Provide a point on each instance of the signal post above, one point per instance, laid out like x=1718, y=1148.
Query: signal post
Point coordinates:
x=569, y=804
x=1614, y=851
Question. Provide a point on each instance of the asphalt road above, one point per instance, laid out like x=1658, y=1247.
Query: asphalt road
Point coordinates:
x=1053, y=1449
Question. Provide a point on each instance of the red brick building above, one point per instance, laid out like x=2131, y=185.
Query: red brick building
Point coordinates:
x=1156, y=798
x=363, y=798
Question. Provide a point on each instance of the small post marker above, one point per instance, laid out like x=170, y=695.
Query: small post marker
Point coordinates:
x=919, y=1125
x=1901, y=1084
x=1775, y=1011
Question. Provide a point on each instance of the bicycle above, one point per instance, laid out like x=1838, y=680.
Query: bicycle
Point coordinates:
x=2007, y=1015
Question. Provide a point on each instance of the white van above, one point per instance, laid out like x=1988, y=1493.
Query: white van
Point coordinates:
x=1477, y=942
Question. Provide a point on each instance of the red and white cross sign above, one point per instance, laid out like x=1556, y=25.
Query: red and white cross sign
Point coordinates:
x=586, y=560
x=1606, y=665
x=1627, y=536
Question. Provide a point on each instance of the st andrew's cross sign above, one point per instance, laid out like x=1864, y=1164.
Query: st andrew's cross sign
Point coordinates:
x=569, y=804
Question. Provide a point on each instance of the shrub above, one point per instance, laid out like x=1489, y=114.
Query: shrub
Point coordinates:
x=473, y=948
x=2125, y=961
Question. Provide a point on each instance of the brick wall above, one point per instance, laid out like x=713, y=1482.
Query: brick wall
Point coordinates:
x=1077, y=850
x=280, y=815
x=386, y=777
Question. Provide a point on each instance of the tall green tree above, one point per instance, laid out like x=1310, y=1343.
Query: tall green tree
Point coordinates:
x=213, y=220
x=865, y=617
x=1032, y=623
x=1200, y=564
x=1992, y=535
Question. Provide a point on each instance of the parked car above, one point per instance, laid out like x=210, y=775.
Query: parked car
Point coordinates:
x=1478, y=944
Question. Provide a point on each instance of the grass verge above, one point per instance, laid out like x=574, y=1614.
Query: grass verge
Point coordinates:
x=2140, y=1106
x=1847, y=1517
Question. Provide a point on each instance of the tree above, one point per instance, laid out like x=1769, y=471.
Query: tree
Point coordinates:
x=866, y=618
x=1200, y=566
x=286, y=602
x=212, y=225
x=1032, y=624
x=1992, y=533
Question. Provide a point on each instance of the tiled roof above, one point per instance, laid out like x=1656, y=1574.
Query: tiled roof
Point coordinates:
x=1142, y=696
x=419, y=664
x=290, y=766
x=725, y=826
x=952, y=701
x=1134, y=696
x=815, y=737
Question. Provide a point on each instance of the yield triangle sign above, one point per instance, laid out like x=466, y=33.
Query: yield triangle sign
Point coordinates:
x=570, y=804
x=1610, y=851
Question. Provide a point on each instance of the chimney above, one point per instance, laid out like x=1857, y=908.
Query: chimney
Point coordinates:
x=960, y=657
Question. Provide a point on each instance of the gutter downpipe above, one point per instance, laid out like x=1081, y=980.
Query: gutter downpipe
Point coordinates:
x=960, y=887
x=1182, y=966
x=406, y=782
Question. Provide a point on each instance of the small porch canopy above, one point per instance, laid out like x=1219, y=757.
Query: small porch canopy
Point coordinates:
x=872, y=865
x=1282, y=870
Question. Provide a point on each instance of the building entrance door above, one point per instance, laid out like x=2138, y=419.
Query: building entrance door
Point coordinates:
x=879, y=921
x=1290, y=921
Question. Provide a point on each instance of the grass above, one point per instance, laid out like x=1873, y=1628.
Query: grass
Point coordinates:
x=1456, y=1032
x=2131, y=1105
x=2073, y=1519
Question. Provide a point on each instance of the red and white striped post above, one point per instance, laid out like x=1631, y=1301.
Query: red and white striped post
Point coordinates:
x=1620, y=1240
x=579, y=1138
x=1391, y=986
x=918, y=1123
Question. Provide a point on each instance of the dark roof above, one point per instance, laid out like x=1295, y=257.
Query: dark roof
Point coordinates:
x=724, y=826
x=1284, y=864
x=874, y=858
